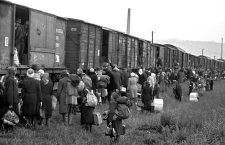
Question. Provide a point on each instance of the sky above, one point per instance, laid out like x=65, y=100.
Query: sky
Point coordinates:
x=198, y=20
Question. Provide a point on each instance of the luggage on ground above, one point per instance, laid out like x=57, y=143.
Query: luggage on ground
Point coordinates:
x=158, y=104
x=10, y=118
x=97, y=118
x=194, y=96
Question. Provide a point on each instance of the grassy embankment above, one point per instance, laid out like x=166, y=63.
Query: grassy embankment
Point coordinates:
x=180, y=123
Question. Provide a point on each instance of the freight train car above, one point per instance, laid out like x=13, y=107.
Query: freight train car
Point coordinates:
x=191, y=61
x=181, y=56
x=146, y=53
x=43, y=36
x=186, y=60
x=131, y=52
x=163, y=54
x=114, y=47
x=174, y=59
x=83, y=45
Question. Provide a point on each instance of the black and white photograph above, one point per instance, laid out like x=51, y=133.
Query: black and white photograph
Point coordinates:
x=112, y=72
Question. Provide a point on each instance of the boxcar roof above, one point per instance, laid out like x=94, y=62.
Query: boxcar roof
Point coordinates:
x=82, y=21
x=175, y=47
x=13, y=3
x=220, y=60
x=170, y=46
x=204, y=56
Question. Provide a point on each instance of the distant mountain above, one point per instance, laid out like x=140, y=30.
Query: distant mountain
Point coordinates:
x=211, y=48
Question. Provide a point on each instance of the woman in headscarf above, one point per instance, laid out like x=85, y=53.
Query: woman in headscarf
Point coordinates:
x=47, y=92
x=132, y=86
x=31, y=96
x=87, y=118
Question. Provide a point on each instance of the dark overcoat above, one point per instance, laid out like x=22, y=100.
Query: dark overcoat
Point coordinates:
x=31, y=96
x=116, y=124
x=94, y=79
x=124, y=78
x=117, y=78
x=86, y=111
x=147, y=96
x=47, y=92
x=11, y=90
x=62, y=95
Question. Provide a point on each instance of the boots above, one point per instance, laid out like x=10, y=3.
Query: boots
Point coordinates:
x=46, y=122
x=64, y=119
x=70, y=119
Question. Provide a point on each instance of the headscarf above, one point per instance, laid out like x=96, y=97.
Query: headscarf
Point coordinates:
x=30, y=73
x=151, y=81
x=45, y=78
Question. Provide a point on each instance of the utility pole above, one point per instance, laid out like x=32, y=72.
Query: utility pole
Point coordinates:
x=222, y=48
x=202, y=51
x=214, y=62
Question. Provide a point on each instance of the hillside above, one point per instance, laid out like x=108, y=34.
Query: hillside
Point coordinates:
x=211, y=48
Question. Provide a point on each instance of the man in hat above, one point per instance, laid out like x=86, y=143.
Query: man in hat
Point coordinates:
x=94, y=79
x=19, y=39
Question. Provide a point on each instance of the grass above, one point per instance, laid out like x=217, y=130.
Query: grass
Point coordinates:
x=181, y=123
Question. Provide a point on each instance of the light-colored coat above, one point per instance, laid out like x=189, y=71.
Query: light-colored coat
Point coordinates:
x=132, y=86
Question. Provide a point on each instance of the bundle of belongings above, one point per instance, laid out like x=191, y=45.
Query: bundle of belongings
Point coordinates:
x=10, y=118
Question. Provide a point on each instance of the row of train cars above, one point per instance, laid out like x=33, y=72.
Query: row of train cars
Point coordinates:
x=56, y=43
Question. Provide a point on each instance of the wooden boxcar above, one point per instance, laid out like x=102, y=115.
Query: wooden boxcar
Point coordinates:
x=132, y=52
x=197, y=62
x=164, y=53
x=145, y=53
x=148, y=54
x=192, y=60
x=83, y=45
x=174, y=55
x=45, y=41
x=186, y=60
x=181, y=56
x=114, y=47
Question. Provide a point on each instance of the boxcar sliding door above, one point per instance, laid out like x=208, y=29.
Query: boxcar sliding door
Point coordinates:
x=42, y=38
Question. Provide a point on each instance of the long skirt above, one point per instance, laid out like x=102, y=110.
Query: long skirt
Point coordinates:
x=47, y=106
x=87, y=115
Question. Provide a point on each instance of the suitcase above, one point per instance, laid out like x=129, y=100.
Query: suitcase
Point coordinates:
x=158, y=104
x=97, y=118
x=193, y=97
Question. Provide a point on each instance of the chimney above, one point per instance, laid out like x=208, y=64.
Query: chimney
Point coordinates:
x=128, y=22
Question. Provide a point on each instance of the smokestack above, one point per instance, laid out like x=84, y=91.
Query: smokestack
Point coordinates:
x=128, y=21
x=222, y=48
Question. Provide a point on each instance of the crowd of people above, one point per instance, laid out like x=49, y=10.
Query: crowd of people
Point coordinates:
x=34, y=103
